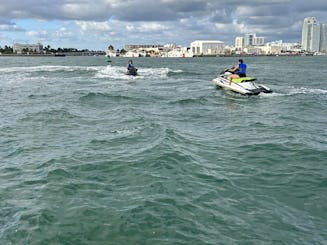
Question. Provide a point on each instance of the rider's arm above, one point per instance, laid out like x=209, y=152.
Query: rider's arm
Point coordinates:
x=234, y=68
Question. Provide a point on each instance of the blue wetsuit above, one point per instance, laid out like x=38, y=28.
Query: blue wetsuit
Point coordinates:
x=242, y=71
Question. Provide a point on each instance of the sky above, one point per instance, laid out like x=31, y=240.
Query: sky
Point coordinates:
x=96, y=24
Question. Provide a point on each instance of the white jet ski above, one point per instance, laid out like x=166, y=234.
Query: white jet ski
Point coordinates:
x=242, y=85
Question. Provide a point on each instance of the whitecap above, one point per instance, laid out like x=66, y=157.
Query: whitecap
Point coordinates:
x=303, y=90
x=296, y=91
x=119, y=73
x=48, y=68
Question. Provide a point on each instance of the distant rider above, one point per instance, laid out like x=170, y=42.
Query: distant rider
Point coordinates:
x=130, y=65
x=238, y=71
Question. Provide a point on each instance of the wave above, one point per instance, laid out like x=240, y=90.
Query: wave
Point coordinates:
x=190, y=101
x=297, y=91
x=95, y=96
x=18, y=75
x=50, y=116
x=303, y=90
x=119, y=73
x=48, y=68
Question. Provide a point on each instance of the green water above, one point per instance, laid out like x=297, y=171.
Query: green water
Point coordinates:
x=89, y=155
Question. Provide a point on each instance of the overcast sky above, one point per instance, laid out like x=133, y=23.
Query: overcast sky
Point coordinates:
x=96, y=24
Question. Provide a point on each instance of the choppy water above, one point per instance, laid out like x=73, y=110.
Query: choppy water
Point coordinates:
x=89, y=155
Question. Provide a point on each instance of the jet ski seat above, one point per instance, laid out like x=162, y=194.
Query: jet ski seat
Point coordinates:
x=243, y=79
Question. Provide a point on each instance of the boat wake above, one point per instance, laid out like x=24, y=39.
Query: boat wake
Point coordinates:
x=119, y=73
x=298, y=91
x=302, y=90
x=16, y=73
x=46, y=68
x=44, y=72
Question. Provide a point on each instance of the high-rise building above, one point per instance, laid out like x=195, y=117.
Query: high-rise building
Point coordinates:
x=248, y=39
x=253, y=40
x=310, y=35
x=258, y=41
x=323, y=38
x=239, y=42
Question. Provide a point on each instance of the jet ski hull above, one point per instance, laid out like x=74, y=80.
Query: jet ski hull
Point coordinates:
x=245, y=87
x=132, y=71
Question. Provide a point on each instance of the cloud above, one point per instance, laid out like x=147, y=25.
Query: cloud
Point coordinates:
x=7, y=25
x=88, y=26
x=10, y=27
x=157, y=21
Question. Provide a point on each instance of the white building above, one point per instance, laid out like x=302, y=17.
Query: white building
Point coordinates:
x=134, y=53
x=177, y=51
x=323, y=38
x=253, y=40
x=27, y=48
x=310, y=35
x=258, y=41
x=239, y=43
x=279, y=47
x=207, y=47
x=248, y=39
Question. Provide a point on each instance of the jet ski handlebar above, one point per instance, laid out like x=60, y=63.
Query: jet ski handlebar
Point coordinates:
x=227, y=70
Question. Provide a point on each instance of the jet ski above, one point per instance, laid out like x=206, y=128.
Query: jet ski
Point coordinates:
x=132, y=71
x=242, y=85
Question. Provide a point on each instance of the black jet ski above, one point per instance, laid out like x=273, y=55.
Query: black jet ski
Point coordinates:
x=132, y=71
x=242, y=85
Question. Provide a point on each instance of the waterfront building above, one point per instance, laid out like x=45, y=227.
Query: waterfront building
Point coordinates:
x=323, y=38
x=248, y=39
x=178, y=51
x=279, y=47
x=239, y=43
x=19, y=48
x=310, y=35
x=207, y=47
x=253, y=40
x=143, y=46
x=258, y=41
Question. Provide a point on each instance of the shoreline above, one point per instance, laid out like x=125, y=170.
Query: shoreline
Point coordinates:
x=56, y=55
x=101, y=53
x=195, y=56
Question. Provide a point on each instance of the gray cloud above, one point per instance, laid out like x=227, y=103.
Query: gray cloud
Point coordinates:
x=180, y=21
x=8, y=25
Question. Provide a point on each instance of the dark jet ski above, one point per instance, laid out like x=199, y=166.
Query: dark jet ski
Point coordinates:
x=132, y=71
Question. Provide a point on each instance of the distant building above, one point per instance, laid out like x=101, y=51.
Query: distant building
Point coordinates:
x=207, y=47
x=323, y=38
x=253, y=40
x=248, y=39
x=142, y=46
x=239, y=43
x=27, y=48
x=279, y=47
x=258, y=41
x=310, y=35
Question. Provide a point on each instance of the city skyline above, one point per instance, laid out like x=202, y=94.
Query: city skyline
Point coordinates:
x=96, y=24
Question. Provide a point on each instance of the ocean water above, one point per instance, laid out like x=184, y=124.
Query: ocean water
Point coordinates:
x=89, y=155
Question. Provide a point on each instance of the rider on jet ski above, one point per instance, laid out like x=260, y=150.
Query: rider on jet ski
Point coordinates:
x=131, y=70
x=238, y=71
